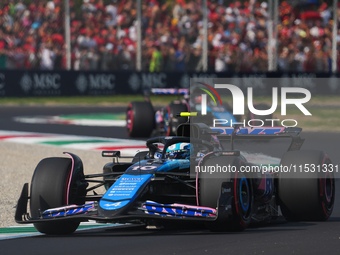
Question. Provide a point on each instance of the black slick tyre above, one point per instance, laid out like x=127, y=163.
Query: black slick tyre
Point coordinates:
x=242, y=201
x=140, y=119
x=51, y=187
x=308, y=192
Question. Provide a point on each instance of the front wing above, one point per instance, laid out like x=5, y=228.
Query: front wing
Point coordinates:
x=138, y=210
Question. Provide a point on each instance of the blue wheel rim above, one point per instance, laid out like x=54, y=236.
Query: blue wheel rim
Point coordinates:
x=244, y=199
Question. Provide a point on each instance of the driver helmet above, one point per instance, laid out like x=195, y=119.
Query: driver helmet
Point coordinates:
x=198, y=99
x=178, y=151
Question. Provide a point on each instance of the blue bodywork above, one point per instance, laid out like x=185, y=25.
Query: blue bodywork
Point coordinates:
x=127, y=187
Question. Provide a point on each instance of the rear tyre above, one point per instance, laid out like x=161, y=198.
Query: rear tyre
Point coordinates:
x=54, y=184
x=140, y=119
x=306, y=195
x=242, y=201
x=171, y=121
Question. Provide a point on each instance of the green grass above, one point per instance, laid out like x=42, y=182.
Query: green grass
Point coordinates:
x=325, y=118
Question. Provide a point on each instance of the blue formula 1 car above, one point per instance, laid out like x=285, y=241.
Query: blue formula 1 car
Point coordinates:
x=189, y=177
x=142, y=120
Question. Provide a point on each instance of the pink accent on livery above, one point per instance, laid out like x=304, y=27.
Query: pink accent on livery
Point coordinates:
x=129, y=117
x=178, y=209
x=199, y=163
x=70, y=178
x=68, y=210
x=196, y=207
x=322, y=182
x=266, y=128
x=250, y=130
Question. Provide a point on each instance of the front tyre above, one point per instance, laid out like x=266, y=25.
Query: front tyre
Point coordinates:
x=306, y=194
x=242, y=200
x=56, y=182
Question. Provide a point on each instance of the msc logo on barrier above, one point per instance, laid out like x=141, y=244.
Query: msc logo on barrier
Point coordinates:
x=41, y=84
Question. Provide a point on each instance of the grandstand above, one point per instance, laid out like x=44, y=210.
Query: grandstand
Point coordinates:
x=103, y=35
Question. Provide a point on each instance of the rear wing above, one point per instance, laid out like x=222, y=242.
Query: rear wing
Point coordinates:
x=202, y=131
x=256, y=131
x=261, y=133
x=160, y=91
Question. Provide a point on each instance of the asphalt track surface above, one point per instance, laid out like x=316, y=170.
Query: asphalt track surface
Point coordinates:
x=279, y=237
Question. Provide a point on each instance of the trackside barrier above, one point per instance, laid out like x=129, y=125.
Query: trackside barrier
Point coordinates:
x=30, y=83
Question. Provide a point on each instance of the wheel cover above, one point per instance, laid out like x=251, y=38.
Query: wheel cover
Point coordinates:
x=244, y=194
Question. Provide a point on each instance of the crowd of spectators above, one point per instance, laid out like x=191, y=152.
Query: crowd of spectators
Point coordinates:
x=104, y=35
